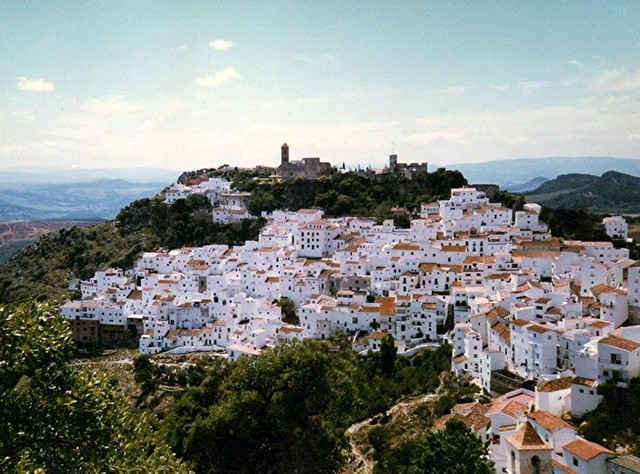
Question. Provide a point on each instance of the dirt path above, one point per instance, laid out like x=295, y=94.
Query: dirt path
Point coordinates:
x=360, y=462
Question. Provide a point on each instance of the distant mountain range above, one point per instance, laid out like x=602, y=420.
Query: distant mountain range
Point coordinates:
x=512, y=173
x=13, y=177
x=99, y=199
x=611, y=193
x=527, y=186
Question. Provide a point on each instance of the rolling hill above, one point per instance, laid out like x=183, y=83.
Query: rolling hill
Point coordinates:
x=98, y=199
x=510, y=173
x=527, y=186
x=611, y=193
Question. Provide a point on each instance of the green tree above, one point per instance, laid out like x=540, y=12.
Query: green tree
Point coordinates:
x=452, y=450
x=289, y=314
x=273, y=415
x=616, y=421
x=144, y=372
x=59, y=418
x=388, y=354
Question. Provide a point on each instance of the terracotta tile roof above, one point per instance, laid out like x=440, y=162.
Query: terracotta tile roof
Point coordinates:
x=406, y=246
x=473, y=418
x=454, y=248
x=620, y=343
x=562, y=467
x=562, y=383
x=549, y=421
x=585, y=449
x=602, y=288
x=499, y=311
x=526, y=438
x=135, y=295
x=538, y=328
x=459, y=359
x=290, y=329
x=509, y=407
x=585, y=381
x=599, y=324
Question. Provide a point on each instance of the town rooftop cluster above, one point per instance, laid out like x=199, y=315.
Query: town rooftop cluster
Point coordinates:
x=523, y=305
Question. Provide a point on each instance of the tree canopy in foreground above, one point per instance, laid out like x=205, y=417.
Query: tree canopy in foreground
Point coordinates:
x=62, y=419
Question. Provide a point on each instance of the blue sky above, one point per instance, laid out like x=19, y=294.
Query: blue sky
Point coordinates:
x=190, y=84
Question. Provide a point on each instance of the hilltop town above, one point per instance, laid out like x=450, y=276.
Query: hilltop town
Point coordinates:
x=538, y=321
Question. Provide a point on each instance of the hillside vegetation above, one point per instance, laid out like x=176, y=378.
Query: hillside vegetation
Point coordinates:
x=44, y=269
x=611, y=193
x=339, y=194
x=62, y=419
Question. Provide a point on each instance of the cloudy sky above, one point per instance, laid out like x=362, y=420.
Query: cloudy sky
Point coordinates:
x=182, y=84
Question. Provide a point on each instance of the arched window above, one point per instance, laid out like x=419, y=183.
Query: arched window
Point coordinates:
x=535, y=462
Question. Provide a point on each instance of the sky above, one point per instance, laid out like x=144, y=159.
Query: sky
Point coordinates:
x=189, y=84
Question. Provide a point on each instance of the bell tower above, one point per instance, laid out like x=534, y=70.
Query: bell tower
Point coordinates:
x=284, y=154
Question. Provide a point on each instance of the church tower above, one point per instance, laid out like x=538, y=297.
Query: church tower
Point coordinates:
x=284, y=154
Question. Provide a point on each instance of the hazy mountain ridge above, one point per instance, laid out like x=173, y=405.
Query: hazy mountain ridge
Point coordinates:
x=99, y=199
x=514, y=172
x=12, y=177
x=527, y=186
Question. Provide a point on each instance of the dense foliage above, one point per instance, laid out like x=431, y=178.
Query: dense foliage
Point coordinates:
x=288, y=308
x=287, y=410
x=616, y=421
x=44, y=269
x=452, y=450
x=575, y=224
x=60, y=418
x=351, y=193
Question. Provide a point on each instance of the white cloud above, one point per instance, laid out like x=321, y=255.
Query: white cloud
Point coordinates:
x=10, y=149
x=616, y=80
x=228, y=74
x=194, y=133
x=183, y=47
x=221, y=45
x=499, y=87
x=35, y=85
x=576, y=63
